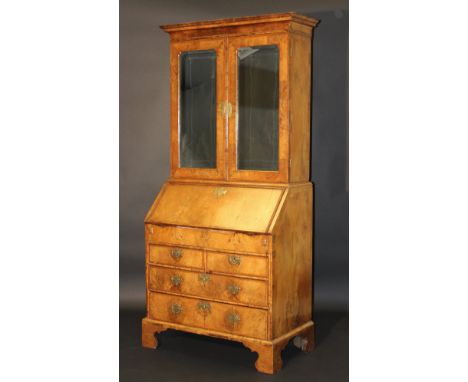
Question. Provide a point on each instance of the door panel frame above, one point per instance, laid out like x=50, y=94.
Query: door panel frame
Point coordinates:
x=233, y=43
x=219, y=45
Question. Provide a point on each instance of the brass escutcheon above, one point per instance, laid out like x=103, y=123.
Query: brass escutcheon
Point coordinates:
x=234, y=289
x=233, y=319
x=219, y=191
x=176, y=309
x=176, y=253
x=229, y=109
x=204, y=307
x=234, y=260
x=204, y=278
x=225, y=108
x=176, y=280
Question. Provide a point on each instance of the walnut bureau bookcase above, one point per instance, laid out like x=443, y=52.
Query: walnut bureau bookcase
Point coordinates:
x=229, y=236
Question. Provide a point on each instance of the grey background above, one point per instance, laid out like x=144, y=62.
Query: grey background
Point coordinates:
x=144, y=130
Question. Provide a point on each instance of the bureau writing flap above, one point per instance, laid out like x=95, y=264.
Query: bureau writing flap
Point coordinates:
x=240, y=208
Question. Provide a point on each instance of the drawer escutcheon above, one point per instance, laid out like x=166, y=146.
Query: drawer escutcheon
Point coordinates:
x=176, y=280
x=204, y=307
x=176, y=253
x=234, y=289
x=176, y=309
x=204, y=278
x=233, y=319
x=234, y=259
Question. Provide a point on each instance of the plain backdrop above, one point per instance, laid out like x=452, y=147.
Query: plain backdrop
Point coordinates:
x=144, y=130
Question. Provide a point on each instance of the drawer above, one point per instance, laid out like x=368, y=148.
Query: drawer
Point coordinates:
x=210, y=315
x=225, y=288
x=210, y=239
x=237, y=264
x=175, y=256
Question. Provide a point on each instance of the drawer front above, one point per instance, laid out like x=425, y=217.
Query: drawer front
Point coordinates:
x=174, y=309
x=237, y=264
x=210, y=239
x=176, y=256
x=225, y=288
x=210, y=315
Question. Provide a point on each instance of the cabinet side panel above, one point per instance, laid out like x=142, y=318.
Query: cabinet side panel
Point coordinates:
x=300, y=74
x=147, y=239
x=292, y=262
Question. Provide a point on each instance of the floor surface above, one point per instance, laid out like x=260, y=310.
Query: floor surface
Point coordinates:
x=188, y=357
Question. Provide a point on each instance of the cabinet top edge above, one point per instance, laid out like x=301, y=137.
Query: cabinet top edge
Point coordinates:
x=248, y=20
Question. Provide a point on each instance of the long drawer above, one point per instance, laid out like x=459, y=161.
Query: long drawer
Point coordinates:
x=221, y=317
x=219, y=287
x=210, y=239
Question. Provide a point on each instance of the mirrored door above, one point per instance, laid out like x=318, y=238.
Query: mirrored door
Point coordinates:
x=258, y=142
x=197, y=121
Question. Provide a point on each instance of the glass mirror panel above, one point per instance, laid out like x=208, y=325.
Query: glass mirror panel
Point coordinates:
x=257, y=118
x=197, y=118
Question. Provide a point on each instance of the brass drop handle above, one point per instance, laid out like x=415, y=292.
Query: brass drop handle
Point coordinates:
x=233, y=319
x=176, y=253
x=204, y=307
x=234, y=289
x=204, y=278
x=234, y=260
x=176, y=280
x=176, y=309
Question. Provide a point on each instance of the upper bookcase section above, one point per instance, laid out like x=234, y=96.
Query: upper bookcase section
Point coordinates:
x=240, y=99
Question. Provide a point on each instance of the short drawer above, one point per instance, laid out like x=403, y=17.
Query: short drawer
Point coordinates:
x=210, y=315
x=210, y=239
x=176, y=256
x=225, y=288
x=237, y=264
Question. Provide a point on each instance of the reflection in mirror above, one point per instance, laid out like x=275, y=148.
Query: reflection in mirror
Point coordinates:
x=197, y=113
x=257, y=102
